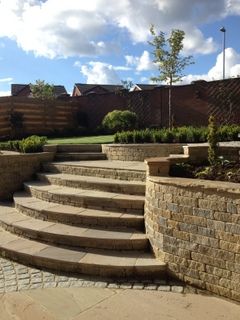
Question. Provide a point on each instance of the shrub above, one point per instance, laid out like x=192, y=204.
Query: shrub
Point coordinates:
x=118, y=120
x=32, y=144
x=213, y=141
x=177, y=135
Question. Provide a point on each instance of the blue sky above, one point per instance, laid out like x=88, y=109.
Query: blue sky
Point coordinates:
x=106, y=41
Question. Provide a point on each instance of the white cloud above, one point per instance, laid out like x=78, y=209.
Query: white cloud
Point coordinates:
x=232, y=58
x=194, y=41
x=232, y=68
x=5, y=93
x=142, y=63
x=122, y=68
x=99, y=72
x=6, y=79
x=233, y=6
x=66, y=28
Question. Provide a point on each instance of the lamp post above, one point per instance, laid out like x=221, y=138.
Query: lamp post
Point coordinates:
x=223, y=30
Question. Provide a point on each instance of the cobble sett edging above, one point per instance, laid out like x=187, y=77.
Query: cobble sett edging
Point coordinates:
x=17, y=277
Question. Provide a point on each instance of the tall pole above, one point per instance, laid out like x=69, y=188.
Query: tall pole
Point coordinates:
x=223, y=30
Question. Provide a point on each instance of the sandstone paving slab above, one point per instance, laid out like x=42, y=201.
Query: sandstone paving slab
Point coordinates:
x=130, y=165
x=6, y=237
x=27, y=200
x=154, y=305
x=117, y=259
x=112, y=303
x=32, y=224
x=48, y=207
x=20, y=306
x=63, y=229
x=61, y=254
x=42, y=186
x=11, y=217
x=22, y=245
x=68, y=303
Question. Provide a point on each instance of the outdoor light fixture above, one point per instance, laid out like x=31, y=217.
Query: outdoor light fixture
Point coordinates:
x=223, y=30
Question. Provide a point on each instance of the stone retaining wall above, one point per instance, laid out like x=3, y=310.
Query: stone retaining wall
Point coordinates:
x=17, y=168
x=199, y=153
x=139, y=152
x=194, y=226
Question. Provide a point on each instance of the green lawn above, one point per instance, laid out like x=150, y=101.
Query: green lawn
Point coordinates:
x=87, y=140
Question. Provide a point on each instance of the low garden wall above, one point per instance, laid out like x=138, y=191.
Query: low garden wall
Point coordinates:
x=139, y=152
x=194, y=226
x=199, y=152
x=16, y=168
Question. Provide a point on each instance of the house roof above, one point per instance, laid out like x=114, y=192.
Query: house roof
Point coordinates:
x=141, y=86
x=87, y=88
x=16, y=89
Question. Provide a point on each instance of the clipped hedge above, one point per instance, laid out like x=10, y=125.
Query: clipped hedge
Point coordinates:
x=176, y=135
x=31, y=144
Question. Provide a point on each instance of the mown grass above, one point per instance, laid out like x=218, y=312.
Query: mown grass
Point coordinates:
x=82, y=140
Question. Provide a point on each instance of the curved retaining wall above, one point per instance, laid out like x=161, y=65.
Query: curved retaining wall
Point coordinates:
x=16, y=168
x=194, y=226
x=139, y=152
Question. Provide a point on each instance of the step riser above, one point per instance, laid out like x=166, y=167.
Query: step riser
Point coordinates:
x=80, y=148
x=88, y=221
x=115, y=188
x=78, y=241
x=85, y=268
x=78, y=200
x=97, y=172
x=79, y=157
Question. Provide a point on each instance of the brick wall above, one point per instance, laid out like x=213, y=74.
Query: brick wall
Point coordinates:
x=195, y=227
x=18, y=168
x=192, y=104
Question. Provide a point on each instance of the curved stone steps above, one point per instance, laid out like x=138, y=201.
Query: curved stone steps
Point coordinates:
x=45, y=210
x=104, y=263
x=94, y=183
x=86, y=198
x=103, y=169
x=62, y=234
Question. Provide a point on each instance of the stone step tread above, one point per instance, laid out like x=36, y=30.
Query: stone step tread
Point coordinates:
x=135, y=171
x=106, y=164
x=73, y=177
x=81, y=153
x=184, y=156
x=86, y=261
x=12, y=217
x=86, y=193
x=30, y=202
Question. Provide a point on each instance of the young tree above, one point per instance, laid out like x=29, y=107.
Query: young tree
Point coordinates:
x=169, y=61
x=42, y=90
x=127, y=84
x=212, y=141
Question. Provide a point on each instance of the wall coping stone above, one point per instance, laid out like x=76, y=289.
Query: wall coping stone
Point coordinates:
x=231, y=188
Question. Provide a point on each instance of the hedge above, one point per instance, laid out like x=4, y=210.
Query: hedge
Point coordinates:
x=176, y=135
x=29, y=145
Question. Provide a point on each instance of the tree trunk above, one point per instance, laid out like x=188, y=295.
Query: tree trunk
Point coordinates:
x=170, y=124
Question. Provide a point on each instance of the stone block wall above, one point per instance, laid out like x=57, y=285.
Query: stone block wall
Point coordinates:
x=17, y=168
x=139, y=152
x=199, y=153
x=194, y=226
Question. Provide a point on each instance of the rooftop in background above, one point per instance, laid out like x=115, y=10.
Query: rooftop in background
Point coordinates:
x=81, y=89
x=24, y=90
x=140, y=86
